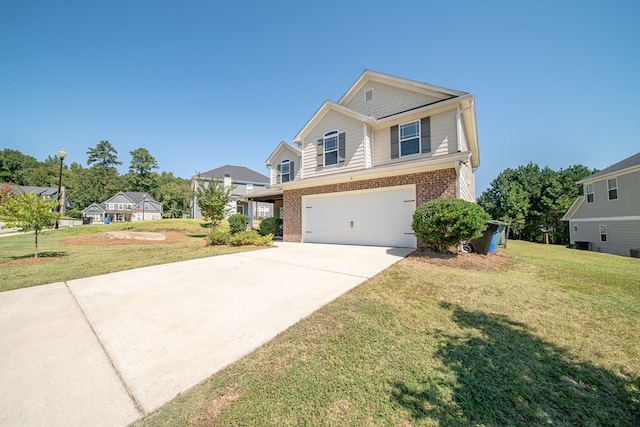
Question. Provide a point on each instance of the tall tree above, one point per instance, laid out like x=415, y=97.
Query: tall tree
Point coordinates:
x=29, y=212
x=141, y=176
x=15, y=166
x=174, y=193
x=103, y=155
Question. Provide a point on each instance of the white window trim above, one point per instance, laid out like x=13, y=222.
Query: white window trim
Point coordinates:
x=615, y=179
x=602, y=230
x=324, y=146
x=400, y=140
x=111, y=206
x=282, y=174
x=587, y=192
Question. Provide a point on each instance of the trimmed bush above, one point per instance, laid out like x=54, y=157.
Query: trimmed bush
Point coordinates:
x=271, y=225
x=238, y=222
x=442, y=223
x=244, y=238
x=218, y=237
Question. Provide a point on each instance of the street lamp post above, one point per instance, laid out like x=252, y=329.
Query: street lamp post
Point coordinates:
x=61, y=155
x=144, y=202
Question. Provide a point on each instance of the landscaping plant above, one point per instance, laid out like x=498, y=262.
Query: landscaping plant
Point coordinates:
x=238, y=222
x=271, y=225
x=443, y=223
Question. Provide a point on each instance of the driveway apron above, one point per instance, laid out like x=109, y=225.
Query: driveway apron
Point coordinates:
x=106, y=350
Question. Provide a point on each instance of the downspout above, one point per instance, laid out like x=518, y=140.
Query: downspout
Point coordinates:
x=457, y=165
x=459, y=113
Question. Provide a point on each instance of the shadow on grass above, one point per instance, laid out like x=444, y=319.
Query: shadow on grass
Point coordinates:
x=506, y=376
x=50, y=254
x=197, y=235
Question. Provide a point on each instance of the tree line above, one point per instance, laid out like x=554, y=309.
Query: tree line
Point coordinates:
x=534, y=200
x=99, y=179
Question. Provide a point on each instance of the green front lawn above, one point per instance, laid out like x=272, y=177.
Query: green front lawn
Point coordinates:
x=59, y=260
x=550, y=338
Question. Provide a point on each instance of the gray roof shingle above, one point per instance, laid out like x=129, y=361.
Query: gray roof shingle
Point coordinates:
x=624, y=164
x=237, y=173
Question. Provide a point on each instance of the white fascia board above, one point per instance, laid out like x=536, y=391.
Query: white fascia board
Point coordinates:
x=322, y=111
x=608, y=218
x=402, y=168
x=279, y=149
x=614, y=174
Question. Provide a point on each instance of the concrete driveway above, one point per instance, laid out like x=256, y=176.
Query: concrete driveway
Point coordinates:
x=106, y=350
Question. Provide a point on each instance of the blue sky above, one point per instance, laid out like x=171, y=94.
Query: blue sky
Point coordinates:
x=201, y=84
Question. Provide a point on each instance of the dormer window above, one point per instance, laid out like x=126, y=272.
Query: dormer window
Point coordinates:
x=285, y=169
x=331, y=148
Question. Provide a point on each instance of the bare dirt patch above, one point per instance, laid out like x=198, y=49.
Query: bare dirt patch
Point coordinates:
x=128, y=238
x=472, y=261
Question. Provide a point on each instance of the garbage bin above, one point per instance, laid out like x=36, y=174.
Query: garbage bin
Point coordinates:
x=483, y=243
x=107, y=220
x=86, y=220
x=495, y=240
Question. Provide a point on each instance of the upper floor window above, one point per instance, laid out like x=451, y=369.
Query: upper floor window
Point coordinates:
x=120, y=206
x=285, y=169
x=410, y=138
x=330, y=142
x=112, y=206
x=588, y=193
x=612, y=188
x=249, y=188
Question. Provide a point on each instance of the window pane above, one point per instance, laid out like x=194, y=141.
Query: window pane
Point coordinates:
x=285, y=177
x=285, y=167
x=331, y=158
x=409, y=130
x=411, y=146
x=330, y=143
x=613, y=194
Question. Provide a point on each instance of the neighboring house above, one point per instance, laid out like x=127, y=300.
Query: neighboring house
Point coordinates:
x=360, y=166
x=46, y=193
x=245, y=182
x=125, y=206
x=607, y=217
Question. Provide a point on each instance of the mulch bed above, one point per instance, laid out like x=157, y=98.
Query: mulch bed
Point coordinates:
x=472, y=261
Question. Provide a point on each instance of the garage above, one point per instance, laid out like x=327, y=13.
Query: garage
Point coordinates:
x=380, y=217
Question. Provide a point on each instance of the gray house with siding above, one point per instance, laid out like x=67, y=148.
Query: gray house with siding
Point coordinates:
x=125, y=206
x=606, y=218
x=245, y=182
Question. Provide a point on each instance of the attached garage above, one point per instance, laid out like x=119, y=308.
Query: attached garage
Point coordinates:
x=378, y=217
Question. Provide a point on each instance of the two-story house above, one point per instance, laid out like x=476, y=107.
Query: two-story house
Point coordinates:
x=244, y=181
x=607, y=217
x=359, y=167
x=125, y=206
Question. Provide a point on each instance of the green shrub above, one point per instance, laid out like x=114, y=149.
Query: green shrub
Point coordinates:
x=271, y=225
x=74, y=213
x=238, y=222
x=244, y=238
x=442, y=223
x=218, y=237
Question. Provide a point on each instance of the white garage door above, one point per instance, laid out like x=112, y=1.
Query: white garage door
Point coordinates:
x=371, y=217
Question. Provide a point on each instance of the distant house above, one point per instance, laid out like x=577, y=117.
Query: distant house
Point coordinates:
x=45, y=193
x=606, y=218
x=125, y=206
x=245, y=182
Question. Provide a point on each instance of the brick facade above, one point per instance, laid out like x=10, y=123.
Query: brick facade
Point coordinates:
x=429, y=186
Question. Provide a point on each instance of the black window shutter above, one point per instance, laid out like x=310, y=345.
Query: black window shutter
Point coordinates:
x=341, y=147
x=320, y=153
x=395, y=148
x=292, y=171
x=278, y=175
x=425, y=134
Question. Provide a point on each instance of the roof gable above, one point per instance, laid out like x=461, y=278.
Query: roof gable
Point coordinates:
x=322, y=111
x=283, y=146
x=628, y=164
x=237, y=174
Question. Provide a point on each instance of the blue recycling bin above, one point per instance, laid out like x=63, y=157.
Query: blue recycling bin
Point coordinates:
x=107, y=220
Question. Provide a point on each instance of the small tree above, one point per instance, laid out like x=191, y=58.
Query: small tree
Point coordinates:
x=442, y=223
x=213, y=200
x=29, y=212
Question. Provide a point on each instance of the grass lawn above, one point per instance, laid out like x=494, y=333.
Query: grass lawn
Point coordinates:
x=65, y=254
x=550, y=338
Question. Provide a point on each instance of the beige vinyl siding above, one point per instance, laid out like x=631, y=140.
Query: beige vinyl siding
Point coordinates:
x=621, y=235
x=285, y=155
x=467, y=183
x=354, y=144
x=627, y=203
x=388, y=100
x=464, y=146
x=443, y=140
x=368, y=146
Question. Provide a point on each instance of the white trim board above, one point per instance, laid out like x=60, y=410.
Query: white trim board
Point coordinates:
x=612, y=218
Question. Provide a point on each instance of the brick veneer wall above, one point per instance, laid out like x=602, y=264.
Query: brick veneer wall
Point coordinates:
x=429, y=186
